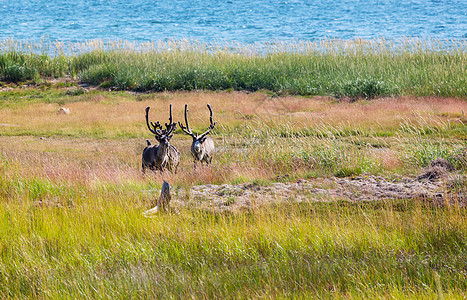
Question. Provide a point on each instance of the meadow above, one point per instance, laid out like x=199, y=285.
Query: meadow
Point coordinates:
x=72, y=193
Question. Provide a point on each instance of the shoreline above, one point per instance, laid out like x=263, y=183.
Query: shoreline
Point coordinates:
x=357, y=70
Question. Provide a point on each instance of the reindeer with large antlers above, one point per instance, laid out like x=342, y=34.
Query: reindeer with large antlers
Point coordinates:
x=202, y=147
x=162, y=156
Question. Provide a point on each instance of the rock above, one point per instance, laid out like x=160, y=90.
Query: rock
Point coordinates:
x=162, y=203
x=165, y=197
x=433, y=174
x=443, y=163
x=439, y=168
x=63, y=111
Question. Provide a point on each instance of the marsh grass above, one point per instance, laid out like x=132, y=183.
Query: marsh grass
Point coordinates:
x=345, y=69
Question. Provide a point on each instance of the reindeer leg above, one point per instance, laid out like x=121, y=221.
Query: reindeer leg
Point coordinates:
x=172, y=169
x=144, y=166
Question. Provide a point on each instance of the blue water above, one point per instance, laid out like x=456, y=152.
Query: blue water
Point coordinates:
x=244, y=21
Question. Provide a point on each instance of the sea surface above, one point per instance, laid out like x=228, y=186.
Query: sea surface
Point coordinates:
x=243, y=21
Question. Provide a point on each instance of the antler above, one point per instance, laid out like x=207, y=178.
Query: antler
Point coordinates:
x=171, y=126
x=157, y=127
x=211, y=127
x=186, y=129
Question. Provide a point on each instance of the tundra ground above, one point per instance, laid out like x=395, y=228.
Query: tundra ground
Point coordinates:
x=72, y=196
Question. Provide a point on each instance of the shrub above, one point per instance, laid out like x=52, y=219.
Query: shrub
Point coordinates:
x=363, y=89
x=98, y=74
x=348, y=171
x=423, y=153
x=17, y=73
x=74, y=92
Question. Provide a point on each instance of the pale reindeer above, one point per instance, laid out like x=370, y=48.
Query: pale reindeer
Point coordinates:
x=163, y=156
x=202, y=147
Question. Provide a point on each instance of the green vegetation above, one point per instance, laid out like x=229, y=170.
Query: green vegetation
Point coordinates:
x=101, y=247
x=357, y=69
x=388, y=139
x=72, y=193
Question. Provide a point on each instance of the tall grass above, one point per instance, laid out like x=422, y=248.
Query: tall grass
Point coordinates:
x=353, y=69
x=71, y=204
x=100, y=246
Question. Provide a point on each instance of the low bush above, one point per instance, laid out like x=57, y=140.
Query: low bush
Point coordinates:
x=17, y=73
x=98, y=74
x=360, y=88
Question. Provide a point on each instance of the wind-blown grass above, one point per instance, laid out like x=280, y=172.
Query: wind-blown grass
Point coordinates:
x=99, y=245
x=355, y=69
x=71, y=202
x=71, y=227
x=260, y=137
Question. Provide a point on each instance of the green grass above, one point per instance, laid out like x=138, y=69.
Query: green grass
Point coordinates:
x=99, y=246
x=71, y=223
x=344, y=69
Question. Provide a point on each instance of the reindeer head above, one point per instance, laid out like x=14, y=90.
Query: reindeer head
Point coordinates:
x=163, y=136
x=198, y=140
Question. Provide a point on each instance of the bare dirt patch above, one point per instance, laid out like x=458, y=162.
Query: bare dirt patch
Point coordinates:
x=228, y=197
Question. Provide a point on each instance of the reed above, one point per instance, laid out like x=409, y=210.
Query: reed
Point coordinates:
x=344, y=69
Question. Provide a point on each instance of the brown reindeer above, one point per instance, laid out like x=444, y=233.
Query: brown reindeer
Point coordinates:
x=202, y=147
x=163, y=156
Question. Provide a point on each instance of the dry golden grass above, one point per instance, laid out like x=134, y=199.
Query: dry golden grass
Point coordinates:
x=119, y=116
x=103, y=137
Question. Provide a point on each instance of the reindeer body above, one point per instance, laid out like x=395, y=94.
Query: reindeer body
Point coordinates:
x=163, y=156
x=160, y=157
x=174, y=159
x=202, y=150
x=202, y=147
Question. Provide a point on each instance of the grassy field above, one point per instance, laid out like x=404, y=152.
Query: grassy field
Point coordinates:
x=343, y=69
x=72, y=197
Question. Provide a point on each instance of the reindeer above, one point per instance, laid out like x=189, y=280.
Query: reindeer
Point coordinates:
x=202, y=147
x=162, y=156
